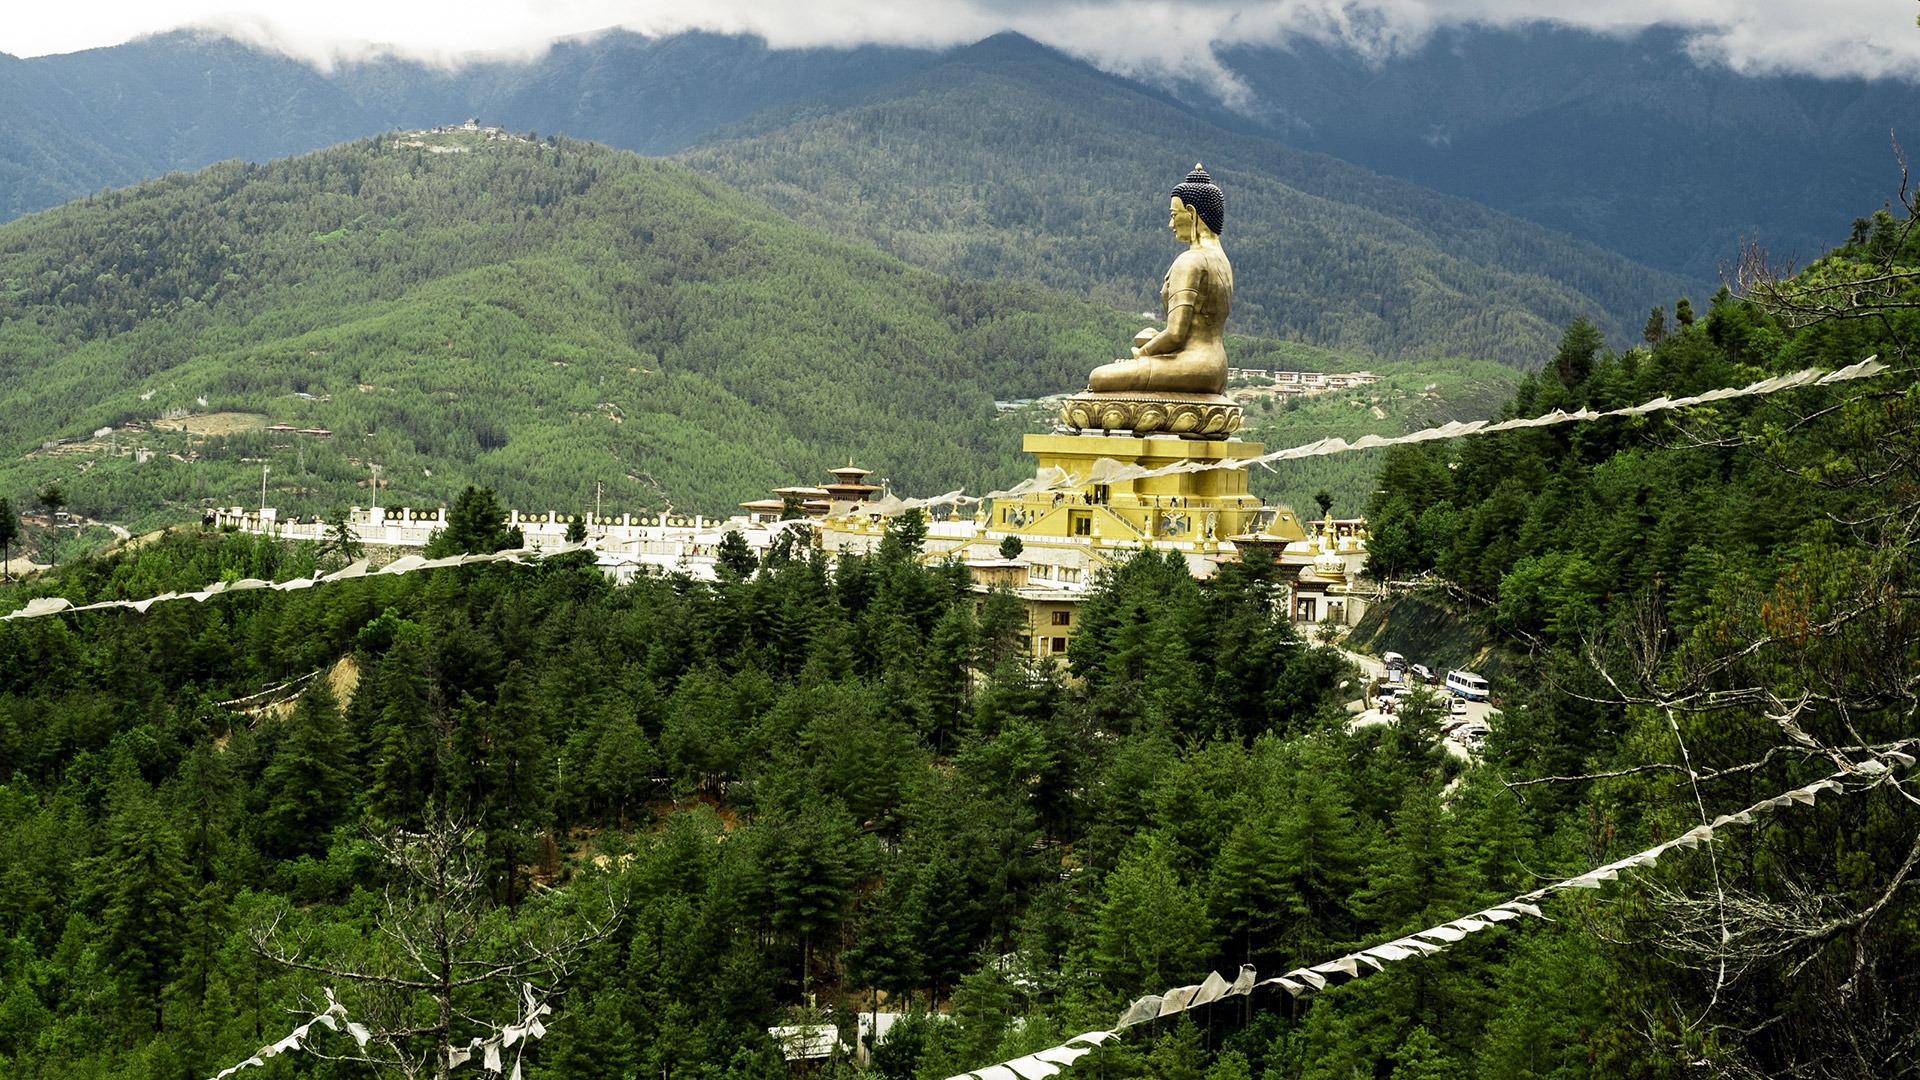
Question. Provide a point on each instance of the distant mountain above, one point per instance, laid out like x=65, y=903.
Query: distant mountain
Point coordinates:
x=1009, y=160
x=533, y=317
x=80, y=122
x=1004, y=159
x=1626, y=140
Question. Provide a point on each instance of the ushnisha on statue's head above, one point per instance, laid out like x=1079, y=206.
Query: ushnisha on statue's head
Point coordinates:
x=1200, y=194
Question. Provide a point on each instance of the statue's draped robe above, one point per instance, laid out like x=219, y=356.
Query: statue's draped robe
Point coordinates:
x=1200, y=278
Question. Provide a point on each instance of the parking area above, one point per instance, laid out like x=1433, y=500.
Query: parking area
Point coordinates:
x=1466, y=724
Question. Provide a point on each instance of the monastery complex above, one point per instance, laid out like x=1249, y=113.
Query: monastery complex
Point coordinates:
x=1066, y=536
x=1140, y=460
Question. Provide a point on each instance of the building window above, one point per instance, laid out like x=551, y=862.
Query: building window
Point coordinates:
x=1059, y=646
x=1101, y=494
x=1063, y=618
x=1081, y=521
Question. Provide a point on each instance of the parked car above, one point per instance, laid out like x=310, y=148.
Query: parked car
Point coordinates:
x=1394, y=661
x=1457, y=706
x=1423, y=673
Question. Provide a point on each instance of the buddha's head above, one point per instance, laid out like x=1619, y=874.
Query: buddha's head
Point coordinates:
x=1201, y=199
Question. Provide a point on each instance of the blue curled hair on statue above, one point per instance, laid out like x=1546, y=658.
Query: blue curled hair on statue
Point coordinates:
x=1200, y=192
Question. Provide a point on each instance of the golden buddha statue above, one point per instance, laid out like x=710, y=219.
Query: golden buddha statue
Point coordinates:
x=1176, y=381
x=1190, y=355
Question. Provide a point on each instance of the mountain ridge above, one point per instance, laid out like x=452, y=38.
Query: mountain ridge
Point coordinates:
x=1055, y=186
x=1625, y=140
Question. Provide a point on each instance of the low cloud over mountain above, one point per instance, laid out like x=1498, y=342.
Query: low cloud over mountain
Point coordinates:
x=1833, y=39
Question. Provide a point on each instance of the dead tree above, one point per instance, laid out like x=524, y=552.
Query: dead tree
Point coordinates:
x=444, y=966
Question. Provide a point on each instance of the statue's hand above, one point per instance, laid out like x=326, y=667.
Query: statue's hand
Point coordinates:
x=1140, y=339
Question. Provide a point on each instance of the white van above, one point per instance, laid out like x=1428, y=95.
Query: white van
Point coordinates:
x=1467, y=685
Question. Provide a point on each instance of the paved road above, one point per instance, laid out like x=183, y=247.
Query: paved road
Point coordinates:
x=1373, y=669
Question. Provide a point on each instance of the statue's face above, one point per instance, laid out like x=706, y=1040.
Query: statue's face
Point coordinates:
x=1184, y=220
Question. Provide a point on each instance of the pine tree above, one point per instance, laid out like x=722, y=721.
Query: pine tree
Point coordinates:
x=1318, y=842
x=1150, y=931
x=306, y=786
x=733, y=560
x=1247, y=890
x=54, y=499
x=407, y=739
x=948, y=674
x=906, y=534
x=810, y=868
x=142, y=929
x=616, y=762
x=1421, y=1057
x=1579, y=347
x=476, y=524
x=9, y=532
x=341, y=539
x=996, y=638
x=1179, y=1054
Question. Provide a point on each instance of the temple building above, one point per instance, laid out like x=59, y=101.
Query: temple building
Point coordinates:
x=1144, y=458
x=848, y=493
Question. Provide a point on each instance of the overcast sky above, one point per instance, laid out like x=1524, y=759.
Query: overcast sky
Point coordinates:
x=1142, y=37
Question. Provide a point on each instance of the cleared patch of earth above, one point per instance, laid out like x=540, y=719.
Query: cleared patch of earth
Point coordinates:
x=344, y=678
x=219, y=423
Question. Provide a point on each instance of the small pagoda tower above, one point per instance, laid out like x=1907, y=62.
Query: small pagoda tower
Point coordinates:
x=849, y=490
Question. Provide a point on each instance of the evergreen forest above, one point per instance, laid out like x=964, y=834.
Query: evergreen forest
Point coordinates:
x=684, y=812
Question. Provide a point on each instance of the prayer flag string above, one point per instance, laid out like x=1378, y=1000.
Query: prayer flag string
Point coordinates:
x=1855, y=776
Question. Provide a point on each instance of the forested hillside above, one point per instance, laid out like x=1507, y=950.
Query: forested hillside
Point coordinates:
x=1629, y=141
x=688, y=812
x=1002, y=160
x=1009, y=160
x=1410, y=395
x=889, y=821
x=1715, y=603
x=534, y=317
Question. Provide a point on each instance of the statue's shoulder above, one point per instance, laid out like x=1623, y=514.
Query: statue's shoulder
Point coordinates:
x=1200, y=264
